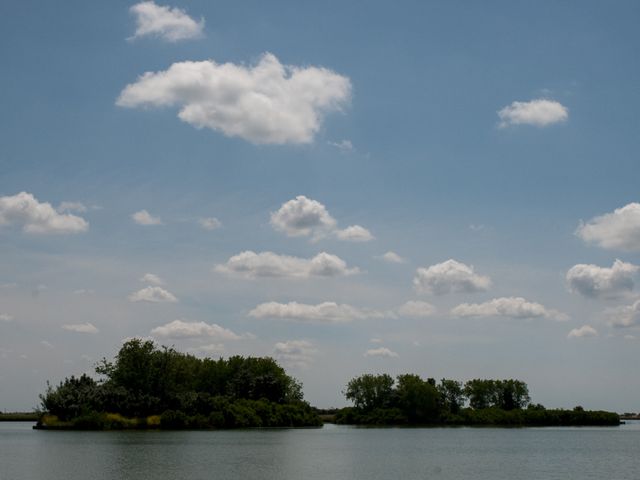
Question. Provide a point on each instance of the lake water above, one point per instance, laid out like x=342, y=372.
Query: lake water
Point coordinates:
x=331, y=452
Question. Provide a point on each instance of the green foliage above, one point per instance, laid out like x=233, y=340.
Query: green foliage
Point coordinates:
x=417, y=400
x=378, y=400
x=452, y=395
x=370, y=391
x=504, y=394
x=180, y=391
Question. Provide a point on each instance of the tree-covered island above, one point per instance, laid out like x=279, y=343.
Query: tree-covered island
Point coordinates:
x=150, y=387
x=410, y=400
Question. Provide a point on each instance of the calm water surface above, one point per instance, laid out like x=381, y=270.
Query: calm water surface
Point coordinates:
x=332, y=452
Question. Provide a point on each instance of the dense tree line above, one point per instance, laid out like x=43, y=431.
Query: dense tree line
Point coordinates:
x=410, y=400
x=147, y=386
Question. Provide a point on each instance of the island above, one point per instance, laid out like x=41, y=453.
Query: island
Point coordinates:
x=410, y=400
x=146, y=387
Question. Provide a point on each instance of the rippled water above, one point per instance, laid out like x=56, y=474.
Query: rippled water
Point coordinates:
x=332, y=452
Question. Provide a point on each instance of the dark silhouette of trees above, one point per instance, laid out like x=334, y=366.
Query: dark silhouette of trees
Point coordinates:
x=144, y=380
x=410, y=400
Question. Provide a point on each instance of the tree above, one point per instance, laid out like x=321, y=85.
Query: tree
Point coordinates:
x=451, y=394
x=370, y=391
x=512, y=394
x=481, y=393
x=417, y=399
x=74, y=396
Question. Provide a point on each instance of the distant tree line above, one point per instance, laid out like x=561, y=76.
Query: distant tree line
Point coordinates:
x=146, y=386
x=410, y=400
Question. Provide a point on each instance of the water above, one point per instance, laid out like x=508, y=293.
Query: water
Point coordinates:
x=332, y=452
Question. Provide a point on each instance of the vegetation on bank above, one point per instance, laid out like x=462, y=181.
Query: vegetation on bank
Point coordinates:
x=410, y=400
x=19, y=416
x=150, y=387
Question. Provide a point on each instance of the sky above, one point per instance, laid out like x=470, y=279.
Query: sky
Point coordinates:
x=442, y=188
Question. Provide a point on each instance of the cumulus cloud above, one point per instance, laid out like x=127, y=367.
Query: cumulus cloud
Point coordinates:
x=625, y=316
x=210, y=223
x=326, y=312
x=153, y=295
x=145, y=218
x=416, y=309
x=303, y=217
x=268, y=264
x=594, y=281
x=38, y=217
x=354, y=233
x=381, y=352
x=152, y=279
x=81, y=327
x=539, y=113
x=619, y=230
x=294, y=353
x=392, y=257
x=268, y=103
x=583, y=331
x=186, y=329
x=5, y=317
x=513, y=307
x=449, y=277
x=170, y=24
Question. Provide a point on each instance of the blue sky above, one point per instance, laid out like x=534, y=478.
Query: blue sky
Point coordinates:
x=384, y=117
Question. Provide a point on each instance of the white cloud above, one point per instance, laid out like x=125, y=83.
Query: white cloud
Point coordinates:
x=513, y=307
x=303, y=217
x=268, y=264
x=619, y=230
x=416, y=309
x=5, y=317
x=154, y=295
x=376, y=340
x=539, y=112
x=625, y=316
x=583, y=331
x=46, y=344
x=594, y=281
x=381, y=352
x=344, y=146
x=66, y=207
x=392, y=257
x=294, y=353
x=152, y=279
x=354, y=233
x=186, y=329
x=449, y=277
x=326, y=312
x=210, y=223
x=81, y=327
x=36, y=217
x=145, y=218
x=170, y=24
x=268, y=103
